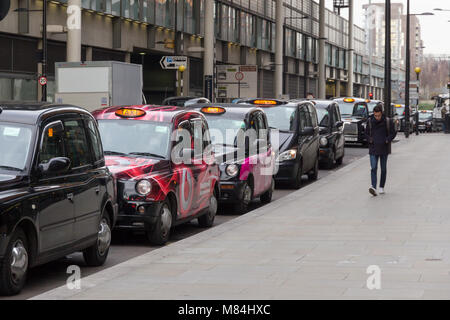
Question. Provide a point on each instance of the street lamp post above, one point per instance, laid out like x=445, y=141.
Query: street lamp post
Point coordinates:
x=387, y=59
x=417, y=70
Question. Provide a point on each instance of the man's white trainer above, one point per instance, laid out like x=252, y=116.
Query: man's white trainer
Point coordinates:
x=373, y=191
x=381, y=191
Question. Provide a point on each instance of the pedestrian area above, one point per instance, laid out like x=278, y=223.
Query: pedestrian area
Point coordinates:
x=316, y=243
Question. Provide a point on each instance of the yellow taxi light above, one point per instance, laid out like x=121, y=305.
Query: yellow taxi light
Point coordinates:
x=367, y=100
x=398, y=105
x=213, y=110
x=130, y=113
x=265, y=102
x=349, y=100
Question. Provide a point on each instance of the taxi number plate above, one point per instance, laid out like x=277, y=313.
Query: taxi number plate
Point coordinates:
x=351, y=139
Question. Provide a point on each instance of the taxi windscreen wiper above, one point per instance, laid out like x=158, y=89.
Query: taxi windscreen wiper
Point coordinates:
x=114, y=153
x=10, y=168
x=146, y=154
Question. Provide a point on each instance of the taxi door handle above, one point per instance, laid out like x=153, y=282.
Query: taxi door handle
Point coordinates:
x=70, y=197
x=97, y=190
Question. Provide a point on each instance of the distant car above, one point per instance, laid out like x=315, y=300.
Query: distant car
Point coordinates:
x=246, y=165
x=439, y=102
x=184, y=101
x=399, y=115
x=159, y=183
x=56, y=194
x=354, y=113
x=332, y=142
x=297, y=125
x=425, y=121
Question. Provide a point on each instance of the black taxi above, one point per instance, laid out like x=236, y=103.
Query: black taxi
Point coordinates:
x=242, y=144
x=165, y=169
x=354, y=113
x=332, y=143
x=56, y=194
x=296, y=126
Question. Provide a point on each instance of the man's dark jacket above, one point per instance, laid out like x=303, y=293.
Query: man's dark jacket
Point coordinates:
x=379, y=135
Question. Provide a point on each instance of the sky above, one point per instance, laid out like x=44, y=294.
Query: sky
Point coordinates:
x=435, y=29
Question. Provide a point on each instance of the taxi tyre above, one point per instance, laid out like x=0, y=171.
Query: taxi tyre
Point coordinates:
x=242, y=206
x=298, y=177
x=315, y=173
x=92, y=255
x=207, y=220
x=9, y=286
x=267, y=196
x=330, y=162
x=341, y=159
x=155, y=232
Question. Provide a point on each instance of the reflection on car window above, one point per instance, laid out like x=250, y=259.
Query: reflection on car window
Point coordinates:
x=16, y=140
x=360, y=110
x=76, y=143
x=324, y=117
x=52, y=146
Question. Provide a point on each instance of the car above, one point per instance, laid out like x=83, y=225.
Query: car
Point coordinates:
x=332, y=142
x=242, y=144
x=56, y=194
x=298, y=147
x=183, y=101
x=373, y=103
x=354, y=112
x=425, y=121
x=440, y=101
x=163, y=178
x=399, y=116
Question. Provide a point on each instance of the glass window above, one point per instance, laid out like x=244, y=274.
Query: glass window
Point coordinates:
x=16, y=139
x=52, y=145
x=25, y=89
x=323, y=117
x=313, y=114
x=95, y=140
x=282, y=118
x=5, y=89
x=76, y=143
x=115, y=7
x=305, y=120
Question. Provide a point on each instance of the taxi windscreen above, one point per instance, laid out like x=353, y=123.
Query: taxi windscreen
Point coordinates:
x=400, y=111
x=223, y=130
x=372, y=106
x=346, y=108
x=425, y=116
x=281, y=118
x=15, y=143
x=135, y=138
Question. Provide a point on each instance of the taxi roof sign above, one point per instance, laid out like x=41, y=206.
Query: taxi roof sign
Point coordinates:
x=213, y=110
x=349, y=100
x=130, y=113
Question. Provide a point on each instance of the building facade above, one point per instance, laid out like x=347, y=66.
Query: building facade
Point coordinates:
x=143, y=31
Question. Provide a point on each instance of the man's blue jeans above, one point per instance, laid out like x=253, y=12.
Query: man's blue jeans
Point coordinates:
x=374, y=167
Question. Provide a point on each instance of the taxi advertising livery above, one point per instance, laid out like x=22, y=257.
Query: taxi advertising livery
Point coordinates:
x=242, y=145
x=155, y=190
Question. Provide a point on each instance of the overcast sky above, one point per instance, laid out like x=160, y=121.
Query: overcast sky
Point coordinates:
x=435, y=29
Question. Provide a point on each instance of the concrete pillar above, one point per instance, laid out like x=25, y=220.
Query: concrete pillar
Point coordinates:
x=350, y=49
x=74, y=31
x=39, y=70
x=88, y=53
x=208, y=59
x=322, y=80
x=128, y=57
x=338, y=88
x=279, y=49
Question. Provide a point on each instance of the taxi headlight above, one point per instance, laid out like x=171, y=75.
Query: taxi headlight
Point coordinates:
x=232, y=170
x=143, y=187
x=287, y=155
x=323, y=142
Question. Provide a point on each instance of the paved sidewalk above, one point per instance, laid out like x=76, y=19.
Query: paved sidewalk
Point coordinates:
x=315, y=243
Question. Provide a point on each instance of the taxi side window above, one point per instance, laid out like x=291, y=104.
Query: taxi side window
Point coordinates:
x=76, y=143
x=52, y=145
x=313, y=116
x=303, y=117
x=197, y=127
x=95, y=139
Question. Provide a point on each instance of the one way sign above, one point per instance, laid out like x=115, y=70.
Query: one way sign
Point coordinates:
x=173, y=62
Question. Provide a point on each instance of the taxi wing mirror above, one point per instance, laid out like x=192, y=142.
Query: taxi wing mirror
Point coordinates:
x=55, y=166
x=339, y=124
x=308, y=131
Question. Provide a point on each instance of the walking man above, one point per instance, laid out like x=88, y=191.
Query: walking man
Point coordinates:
x=380, y=132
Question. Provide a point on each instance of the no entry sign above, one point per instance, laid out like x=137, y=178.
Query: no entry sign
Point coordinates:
x=239, y=76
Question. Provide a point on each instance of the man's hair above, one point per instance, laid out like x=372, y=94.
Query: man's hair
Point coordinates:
x=378, y=109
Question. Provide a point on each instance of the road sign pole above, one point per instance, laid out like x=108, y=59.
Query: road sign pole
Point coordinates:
x=239, y=89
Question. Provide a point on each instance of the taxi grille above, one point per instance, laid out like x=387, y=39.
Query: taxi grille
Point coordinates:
x=351, y=128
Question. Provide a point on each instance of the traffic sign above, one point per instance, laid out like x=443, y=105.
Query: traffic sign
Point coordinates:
x=239, y=76
x=42, y=81
x=173, y=62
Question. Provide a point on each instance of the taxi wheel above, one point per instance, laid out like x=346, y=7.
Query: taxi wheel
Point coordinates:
x=14, y=267
x=330, y=162
x=96, y=254
x=158, y=233
x=298, y=177
x=315, y=173
x=267, y=197
x=242, y=206
x=207, y=220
